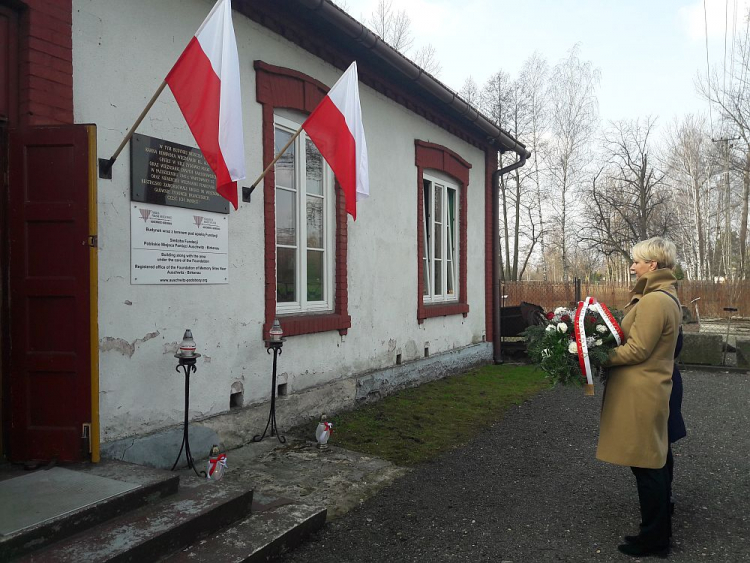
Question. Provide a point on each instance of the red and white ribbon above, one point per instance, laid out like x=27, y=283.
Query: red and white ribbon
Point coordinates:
x=580, y=332
x=610, y=321
x=216, y=467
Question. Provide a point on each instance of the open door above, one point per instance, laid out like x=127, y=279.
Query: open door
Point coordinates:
x=8, y=115
x=52, y=293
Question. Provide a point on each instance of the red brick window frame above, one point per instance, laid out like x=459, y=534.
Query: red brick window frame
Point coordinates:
x=276, y=88
x=430, y=156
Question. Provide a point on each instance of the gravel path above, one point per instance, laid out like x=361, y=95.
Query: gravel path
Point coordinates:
x=529, y=489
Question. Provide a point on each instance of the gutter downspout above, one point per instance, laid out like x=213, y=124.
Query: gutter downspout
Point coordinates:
x=523, y=154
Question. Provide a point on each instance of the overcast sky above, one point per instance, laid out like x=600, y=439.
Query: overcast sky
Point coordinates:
x=648, y=51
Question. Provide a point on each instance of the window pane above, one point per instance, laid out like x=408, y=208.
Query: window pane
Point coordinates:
x=314, y=275
x=286, y=214
x=285, y=275
x=314, y=170
x=452, y=217
x=426, y=265
x=438, y=241
x=450, y=243
x=438, y=203
x=285, y=164
x=449, y=276
x=438, y=278
x=314, y=222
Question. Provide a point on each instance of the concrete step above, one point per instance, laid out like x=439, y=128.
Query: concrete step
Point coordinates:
x=275, y=526
x=153, y=485
x=198, y=509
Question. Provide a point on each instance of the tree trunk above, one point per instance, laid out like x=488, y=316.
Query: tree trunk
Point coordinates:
x=743, y=224
x=517, y=226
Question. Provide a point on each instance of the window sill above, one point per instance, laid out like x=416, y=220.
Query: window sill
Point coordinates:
x=442, y=310
x=295, y=325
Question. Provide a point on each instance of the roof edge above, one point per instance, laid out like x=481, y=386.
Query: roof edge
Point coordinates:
x=362, y=35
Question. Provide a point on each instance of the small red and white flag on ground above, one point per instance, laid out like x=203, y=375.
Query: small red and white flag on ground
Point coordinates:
x=335, y=126
x=205, y=81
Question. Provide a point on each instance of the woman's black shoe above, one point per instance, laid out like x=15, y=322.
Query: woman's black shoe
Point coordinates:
x=630, y=539
x=637, y=550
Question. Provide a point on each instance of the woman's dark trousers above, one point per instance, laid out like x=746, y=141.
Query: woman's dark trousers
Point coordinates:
x=653, y=494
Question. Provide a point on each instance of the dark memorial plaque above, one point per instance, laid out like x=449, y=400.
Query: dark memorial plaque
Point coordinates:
x=166, y=173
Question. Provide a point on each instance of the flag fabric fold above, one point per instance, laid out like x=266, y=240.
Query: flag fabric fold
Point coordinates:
x=335, y=126
x=205, y=81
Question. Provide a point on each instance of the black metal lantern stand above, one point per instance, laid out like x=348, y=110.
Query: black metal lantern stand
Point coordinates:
x=274, y=344
x=187, y=359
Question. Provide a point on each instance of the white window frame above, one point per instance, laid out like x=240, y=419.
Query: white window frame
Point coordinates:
x=290, y=122
x=449, y=260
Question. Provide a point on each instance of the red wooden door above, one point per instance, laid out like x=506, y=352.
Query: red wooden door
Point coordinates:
x=8, y=105
x=50, y=326
x=8, y=64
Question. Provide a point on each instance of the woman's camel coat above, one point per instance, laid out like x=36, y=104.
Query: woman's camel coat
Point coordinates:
x=635, y=407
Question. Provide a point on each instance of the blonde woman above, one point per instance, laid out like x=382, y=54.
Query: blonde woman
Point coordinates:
x=635, y=407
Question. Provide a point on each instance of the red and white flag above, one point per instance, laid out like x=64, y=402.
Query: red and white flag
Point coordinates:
x=205, y=81
x=335, y=126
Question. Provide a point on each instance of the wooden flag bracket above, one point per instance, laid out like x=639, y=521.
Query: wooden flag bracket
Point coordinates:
x=105, y=164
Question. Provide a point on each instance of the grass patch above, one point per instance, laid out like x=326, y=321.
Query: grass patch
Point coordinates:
x=417, y=424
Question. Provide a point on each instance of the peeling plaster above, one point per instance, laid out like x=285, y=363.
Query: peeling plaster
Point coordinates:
x=123, y=346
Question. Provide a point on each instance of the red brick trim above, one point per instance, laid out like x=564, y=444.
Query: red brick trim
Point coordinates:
x=46, y=63
x=437, y=157
x=278, y=87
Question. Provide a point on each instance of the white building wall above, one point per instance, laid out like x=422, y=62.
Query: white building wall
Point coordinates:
x=121, y=53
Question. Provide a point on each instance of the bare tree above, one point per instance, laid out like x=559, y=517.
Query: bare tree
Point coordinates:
x=731, y=100
x=574, y=115
x=394, y=27
x=630, y=200
x=691, y=169
x=533, y=79
x=426, y=57
x=470, y=92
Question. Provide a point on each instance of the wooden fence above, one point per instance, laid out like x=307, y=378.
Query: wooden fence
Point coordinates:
x=714, y=296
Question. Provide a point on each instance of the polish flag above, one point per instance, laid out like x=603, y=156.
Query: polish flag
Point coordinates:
x=205, y=81
x=335, y=126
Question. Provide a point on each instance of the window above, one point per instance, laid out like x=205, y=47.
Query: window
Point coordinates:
x=305, y=223
x=442, y=239
x=287, y=97
x=440, y=245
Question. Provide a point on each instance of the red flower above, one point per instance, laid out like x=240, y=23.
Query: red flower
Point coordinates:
x=550, y=315
x=591, y=319
x=565, y=318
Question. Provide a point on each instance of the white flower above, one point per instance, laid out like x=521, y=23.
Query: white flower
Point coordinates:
x=590, y=341
x=601, y=329
x=560, y=311
x=598, y=342
x=551, y=328
x=573, y=347
x=546, y=353
x=562, y=327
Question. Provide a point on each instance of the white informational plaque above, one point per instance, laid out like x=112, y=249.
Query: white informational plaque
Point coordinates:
x=170, y=245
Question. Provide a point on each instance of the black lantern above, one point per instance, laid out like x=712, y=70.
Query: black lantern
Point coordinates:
x=186, y=359
x=274, y=342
